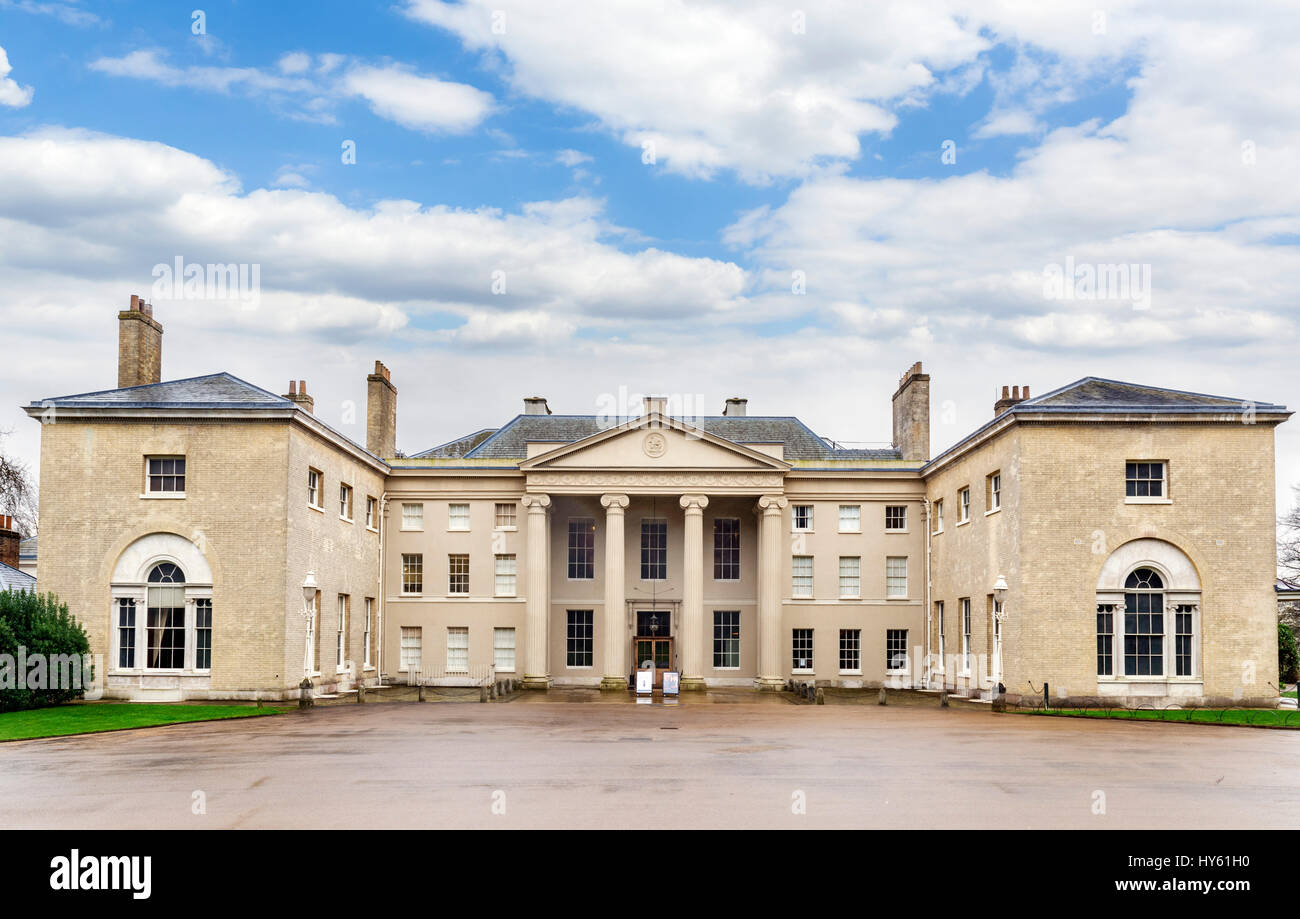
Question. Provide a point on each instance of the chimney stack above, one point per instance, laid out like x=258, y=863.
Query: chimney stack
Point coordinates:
x=381, y=413
x=1011, y=395
x=298, y=393
x=139, y=345
x=536, y=405
x=736, y=407
x=912, y=414
x=9, y=540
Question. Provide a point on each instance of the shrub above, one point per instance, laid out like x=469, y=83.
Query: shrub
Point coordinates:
x=1288, y=660
x=38, y=624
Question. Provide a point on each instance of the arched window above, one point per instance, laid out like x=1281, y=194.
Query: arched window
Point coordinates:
x=165, y=640
x=166, y=573
x=162, y=608
x=1144, y=623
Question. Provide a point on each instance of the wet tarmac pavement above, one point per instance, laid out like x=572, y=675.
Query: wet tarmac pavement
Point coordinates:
x=536, y=760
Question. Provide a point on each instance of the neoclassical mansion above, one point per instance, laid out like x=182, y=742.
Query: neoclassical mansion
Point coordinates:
x=1104, y=539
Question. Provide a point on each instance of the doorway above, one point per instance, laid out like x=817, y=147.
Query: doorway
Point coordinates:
x=653, y=642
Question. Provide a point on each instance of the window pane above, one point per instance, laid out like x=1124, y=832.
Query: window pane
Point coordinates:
x=578, y=639
x=654, y=550
x=726, y=639
x=582, y=548
x=726, y=549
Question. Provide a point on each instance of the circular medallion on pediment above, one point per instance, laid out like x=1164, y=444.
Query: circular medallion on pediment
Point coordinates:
x=655, y=445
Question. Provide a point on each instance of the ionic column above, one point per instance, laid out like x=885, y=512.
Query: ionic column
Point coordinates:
x=769, y=592
x=616, y=637
x=537, y=674
x=692, y=637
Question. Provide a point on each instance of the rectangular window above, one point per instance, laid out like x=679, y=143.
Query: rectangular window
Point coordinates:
x=458, y=516
x=963, y=497
x=457, y=649
x=367, y=650
x=896, y=650
x=203, y=634
x=995, y=491
x=411, y=648
x=850, y=518
x=166, y=628
x=166, y=475
x=726, y=639
x=726, y=549
x=345, y=501
x=654, y=550
x=412, y=573
x=896, y=576
x=578, y=638
x=938, y=516
x=965, y=636
x=505, y=516
x=503, y=650
x=1105, y=639
x=895, y=518
x=412, y=516
x=850, y=576
x=802, y=646
x=802, y=515
x=582, y=548
x=506, y=572
x=938, y=613
x=313, y=487
x=372, y=509
x=850, y=650
x=1144, y=480
x=1183, y=641
x=1144, y=634
x=458, y=574
x=341, y=636
x=126, y=633
x=801, y=567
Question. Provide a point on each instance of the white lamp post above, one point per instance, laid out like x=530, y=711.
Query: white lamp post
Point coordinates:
x=308, y=611
x=999, y=613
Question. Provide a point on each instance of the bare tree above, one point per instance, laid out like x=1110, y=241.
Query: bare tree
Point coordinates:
x=18, y=497
x=1288, y=544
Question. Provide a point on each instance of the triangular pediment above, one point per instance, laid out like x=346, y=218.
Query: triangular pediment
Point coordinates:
x=654, y=442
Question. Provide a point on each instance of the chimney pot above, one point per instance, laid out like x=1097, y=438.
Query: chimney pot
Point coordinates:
x=293, y=388
x=139, y=345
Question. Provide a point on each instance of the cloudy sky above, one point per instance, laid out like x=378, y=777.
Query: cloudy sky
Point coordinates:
x=585, y=200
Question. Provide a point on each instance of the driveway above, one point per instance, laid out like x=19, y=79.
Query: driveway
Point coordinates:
x=548, y=763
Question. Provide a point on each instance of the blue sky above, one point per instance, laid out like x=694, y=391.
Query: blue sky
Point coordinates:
x=783, y=148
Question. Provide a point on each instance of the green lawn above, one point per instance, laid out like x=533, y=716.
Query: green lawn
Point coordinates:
x=1290, y=694
x=1255, y=717
x=92, y=717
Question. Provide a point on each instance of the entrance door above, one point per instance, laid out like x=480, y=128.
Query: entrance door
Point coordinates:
x=657, y=651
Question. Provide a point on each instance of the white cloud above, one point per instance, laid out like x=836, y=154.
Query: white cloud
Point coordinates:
x=418, y=102
x=11, y=94
x=572, y=158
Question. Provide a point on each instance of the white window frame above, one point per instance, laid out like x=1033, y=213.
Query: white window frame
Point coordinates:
x=812, y=647
x=412, y=516
x=372, y=511
x=502, y=511
x=367, y=637
x=345, y=502
x=852, y=522
x=907, y=657
x=851, y=579
x=506, y=572
x=411, y=640
x=964, y=607
x=856, y=649
x=150, y=476
x=726, y=638
x=794, y=519
x=456, y=574
x=797, y=564
x=994, y=497
x=314, y=482
x=341, y=636
x=963, y=506
x=457, y=649
x=894, y=529
x=938, y=516
x=455, y=518
x=938, y=612
x=418, y=559
x=499, y=645
x=1163, y=497
x=892, y=589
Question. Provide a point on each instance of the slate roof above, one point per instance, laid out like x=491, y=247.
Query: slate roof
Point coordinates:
x=510, y=442
x=457, y=449
x=13, y=579
x=216, y=390
x=1095, y=395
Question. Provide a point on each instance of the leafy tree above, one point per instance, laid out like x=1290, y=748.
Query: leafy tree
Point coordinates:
x=38, y=624
x=1288, y=659
x=17, y=491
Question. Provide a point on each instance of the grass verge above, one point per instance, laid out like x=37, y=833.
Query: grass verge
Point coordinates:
x=94, y=717
x=1248, y=717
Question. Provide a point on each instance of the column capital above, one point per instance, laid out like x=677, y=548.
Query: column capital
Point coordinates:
x=772, y=504
x=536, y=502
x=696, y=503
x=614, y=504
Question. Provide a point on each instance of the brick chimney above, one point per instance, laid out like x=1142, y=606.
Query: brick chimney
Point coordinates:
x=9, y=540
x=912, y=414
x=536, y=405
x=736, y=407
x=298, y=393
x=139, y=345
x=1011, y=395
x=381, y=413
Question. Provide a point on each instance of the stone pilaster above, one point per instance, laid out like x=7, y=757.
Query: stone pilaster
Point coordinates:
x=770, y=509
x=537, y=673
x=616, y=637
x=692, y=637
